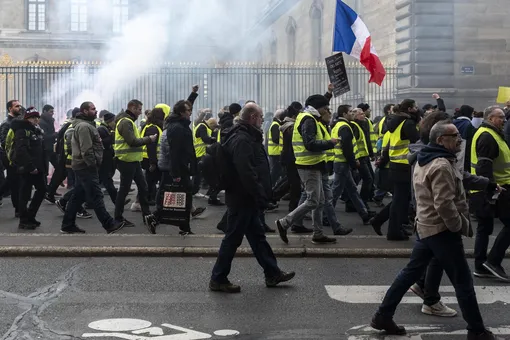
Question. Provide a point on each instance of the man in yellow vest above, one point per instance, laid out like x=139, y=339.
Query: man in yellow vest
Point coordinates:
x=490, y=157
x=154, y=126
x=380, y=129
x=347, y=162
x=274, y=145
x=202, y=137
x=366, y=153
x=403, y=128
x=310, y=151
x=128, y=147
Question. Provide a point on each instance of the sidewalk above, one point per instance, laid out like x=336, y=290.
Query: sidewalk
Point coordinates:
x=136, y=241
x=196, y=245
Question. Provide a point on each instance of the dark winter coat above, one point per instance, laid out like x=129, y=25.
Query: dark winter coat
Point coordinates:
x=107, y=138
x=47, y=124
x=467, y=132
x=152, y=148
x=28, y=153
x=250, y=184
x=181, y=157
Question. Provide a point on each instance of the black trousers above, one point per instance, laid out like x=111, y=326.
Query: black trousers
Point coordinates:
x=399, y=210
x=13, y=181
x=197, y=179
x=152, y=179
x=295, y=186
x=51, y=157
x=59, y=175
x=27, y=181
x=106, y=179
x=129, y=172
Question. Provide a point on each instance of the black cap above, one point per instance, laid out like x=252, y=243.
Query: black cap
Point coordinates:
x=234, y=108
x=317, y=101
x=108, y=117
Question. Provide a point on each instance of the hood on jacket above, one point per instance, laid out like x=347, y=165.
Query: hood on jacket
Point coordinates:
x=395, y=119
x=413, y=151
x=311, y=110
x=18, y=124
x=227, y=120
x=173, y=118
x=241, y=126
x=287, y=123
x=433, y=151
x=47, y=118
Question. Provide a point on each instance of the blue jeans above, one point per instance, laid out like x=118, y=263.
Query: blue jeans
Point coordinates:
x=448, y=249
x=345, y=181
x=86, y=187
x=241, y=222
x=276, y=168
x=329, y=209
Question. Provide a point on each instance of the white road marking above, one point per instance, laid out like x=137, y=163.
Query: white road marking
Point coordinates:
x=375, y=294
x=226, y=332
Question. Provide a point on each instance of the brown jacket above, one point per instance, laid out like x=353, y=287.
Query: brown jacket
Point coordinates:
x=440, y=198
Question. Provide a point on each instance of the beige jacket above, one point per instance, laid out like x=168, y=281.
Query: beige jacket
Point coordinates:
x=440, y=199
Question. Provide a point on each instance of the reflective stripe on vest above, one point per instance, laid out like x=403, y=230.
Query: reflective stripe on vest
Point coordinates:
x=272, y=148
x=339, y=153
x=218, y=137
x=373, y=135
x=144, y=148
x=198, y=143
x=380, y=127
x=500, y=165
x=123, y=151
x=67, y=153
x=385, y=141
x=303, y=156
x=399, y=149
x=330, y=154
x=361, y=142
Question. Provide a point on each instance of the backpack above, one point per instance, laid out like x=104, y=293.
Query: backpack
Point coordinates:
x=218, y=165
x=61, y=139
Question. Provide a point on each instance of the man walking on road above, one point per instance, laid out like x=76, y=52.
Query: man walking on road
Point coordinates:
x=246, y=196
x=129, y=153
x=442, y=217
x=87, y=156
x=309, y=148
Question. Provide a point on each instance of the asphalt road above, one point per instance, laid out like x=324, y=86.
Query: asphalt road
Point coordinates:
x=168, y=299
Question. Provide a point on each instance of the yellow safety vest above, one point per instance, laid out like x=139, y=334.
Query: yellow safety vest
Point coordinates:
x=303, y=156
x=330, y=154
x=361, y=142
x=123, y=151
x=385, y=141
x=501, y=165
x=380, y=126
x=339, y=153
x=199, y=144
x=399, y=149
x=144, y=148
x=218, y=137
x=373, y=135
x=272, y=148
x=69, y=156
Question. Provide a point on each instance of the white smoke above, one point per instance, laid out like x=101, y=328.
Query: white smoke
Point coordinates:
x=179, y=30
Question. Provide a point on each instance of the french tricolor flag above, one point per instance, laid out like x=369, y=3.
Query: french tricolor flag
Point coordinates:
x=352, y=37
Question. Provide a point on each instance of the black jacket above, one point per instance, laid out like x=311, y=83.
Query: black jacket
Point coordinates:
x=183, y=161
x=250, y=184
x=47, y=124
x=202, y=133
x=4, y=129
x=287, y=157
x=487, y=150
x=152, y=149
x=274, y=131
x=28, y=153
x=226, y=121
x=107, y=136
x=346, y=135
x=408, y=132
x=308, y=130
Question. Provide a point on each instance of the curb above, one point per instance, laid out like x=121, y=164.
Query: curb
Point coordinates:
x=294, y=252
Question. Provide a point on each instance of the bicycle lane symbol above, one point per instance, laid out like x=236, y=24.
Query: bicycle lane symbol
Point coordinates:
x=136, y=329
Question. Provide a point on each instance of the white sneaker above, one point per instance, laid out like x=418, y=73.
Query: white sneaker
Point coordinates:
x=439, y=309
x=136, y=207
x=199, y=195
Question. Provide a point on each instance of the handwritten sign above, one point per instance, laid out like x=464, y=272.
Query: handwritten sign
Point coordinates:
x=338, y=74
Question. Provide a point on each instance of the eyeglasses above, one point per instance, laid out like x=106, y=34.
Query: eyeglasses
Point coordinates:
x=456, y=135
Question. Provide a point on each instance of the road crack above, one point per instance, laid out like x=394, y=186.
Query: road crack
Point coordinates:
x=29, y=325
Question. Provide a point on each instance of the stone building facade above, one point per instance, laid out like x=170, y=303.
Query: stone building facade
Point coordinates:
x=458, y=48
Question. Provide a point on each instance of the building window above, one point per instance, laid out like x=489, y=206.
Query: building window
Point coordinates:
x=120, y=14
x=316, y=17
x=36, y=15
x=79, y=15
x=291, y=40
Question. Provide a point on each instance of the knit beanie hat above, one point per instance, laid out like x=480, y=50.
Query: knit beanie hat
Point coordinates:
x=234, y=109
x=317, y=101
x=32, y=113
x=108, y=117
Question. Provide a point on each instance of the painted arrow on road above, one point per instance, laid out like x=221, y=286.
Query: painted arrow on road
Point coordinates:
x=375, y=294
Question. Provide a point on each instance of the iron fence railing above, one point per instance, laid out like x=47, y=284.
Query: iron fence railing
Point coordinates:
x=65, y=84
